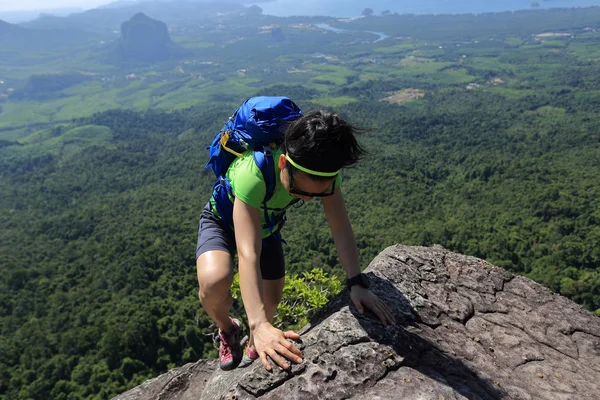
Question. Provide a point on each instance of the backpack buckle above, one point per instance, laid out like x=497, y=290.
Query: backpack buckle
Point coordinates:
x=224, y=140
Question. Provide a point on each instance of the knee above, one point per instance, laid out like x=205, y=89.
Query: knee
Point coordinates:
x=213, y=285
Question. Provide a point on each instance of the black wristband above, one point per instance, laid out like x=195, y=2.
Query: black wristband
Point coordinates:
x=360, y=279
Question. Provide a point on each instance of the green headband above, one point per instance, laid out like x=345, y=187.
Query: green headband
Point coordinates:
x=310, y=171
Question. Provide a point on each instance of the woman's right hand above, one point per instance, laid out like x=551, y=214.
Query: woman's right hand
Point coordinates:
x=270, y=341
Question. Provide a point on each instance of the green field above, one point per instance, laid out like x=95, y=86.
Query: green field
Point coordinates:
x=195, y=80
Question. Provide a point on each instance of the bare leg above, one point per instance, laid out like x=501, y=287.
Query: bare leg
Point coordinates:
x=215, y=276
x=272, y=291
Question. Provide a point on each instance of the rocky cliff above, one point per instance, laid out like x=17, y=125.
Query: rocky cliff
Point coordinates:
x=465, y=330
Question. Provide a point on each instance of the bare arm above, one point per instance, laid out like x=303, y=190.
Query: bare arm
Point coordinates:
x=246, y=220
x=345, y=244
x=267, y=339
x=341, y=230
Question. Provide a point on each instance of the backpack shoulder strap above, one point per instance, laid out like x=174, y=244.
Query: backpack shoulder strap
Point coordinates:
x=265, y=162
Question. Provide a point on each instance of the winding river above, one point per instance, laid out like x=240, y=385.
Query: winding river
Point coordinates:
x=328, y=27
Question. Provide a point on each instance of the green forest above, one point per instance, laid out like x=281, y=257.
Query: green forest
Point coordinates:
x=486, y=142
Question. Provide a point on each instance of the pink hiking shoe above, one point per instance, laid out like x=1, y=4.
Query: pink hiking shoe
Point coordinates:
x=251, y=353
x=230, y=351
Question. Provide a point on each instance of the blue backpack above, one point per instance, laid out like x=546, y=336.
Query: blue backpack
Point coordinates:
x=258, y=125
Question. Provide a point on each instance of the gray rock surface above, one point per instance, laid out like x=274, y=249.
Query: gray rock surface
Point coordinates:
x=465, y=330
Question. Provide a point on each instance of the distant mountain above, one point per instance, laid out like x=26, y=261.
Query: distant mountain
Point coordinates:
x=144, y=39
x=15, y=17
x=6, y=28
x=16, y=37
x=119, y=4
x=110, y=17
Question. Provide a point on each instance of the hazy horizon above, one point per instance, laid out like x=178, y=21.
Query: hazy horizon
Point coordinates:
x=41, y=5
x=350, y=8
x=332, y=7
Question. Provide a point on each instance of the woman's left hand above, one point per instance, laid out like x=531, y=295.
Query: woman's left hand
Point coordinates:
x=364, y=298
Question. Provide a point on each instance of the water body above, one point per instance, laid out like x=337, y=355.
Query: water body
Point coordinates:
x=353, y=8
x=327, y=27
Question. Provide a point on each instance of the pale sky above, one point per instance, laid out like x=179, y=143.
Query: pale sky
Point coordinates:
x=22, y=5
x=283, y=6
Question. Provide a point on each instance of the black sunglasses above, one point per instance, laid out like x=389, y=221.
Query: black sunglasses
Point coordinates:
x=299, y=192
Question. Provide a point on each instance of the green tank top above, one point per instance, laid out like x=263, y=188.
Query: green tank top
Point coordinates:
x=249, y=186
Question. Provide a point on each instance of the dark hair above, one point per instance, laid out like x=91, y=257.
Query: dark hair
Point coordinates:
x=323, y=142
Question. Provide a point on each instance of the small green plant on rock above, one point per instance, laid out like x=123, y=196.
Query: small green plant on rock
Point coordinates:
x=303, y=295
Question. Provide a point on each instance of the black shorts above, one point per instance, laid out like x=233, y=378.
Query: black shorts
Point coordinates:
x=213, y=236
